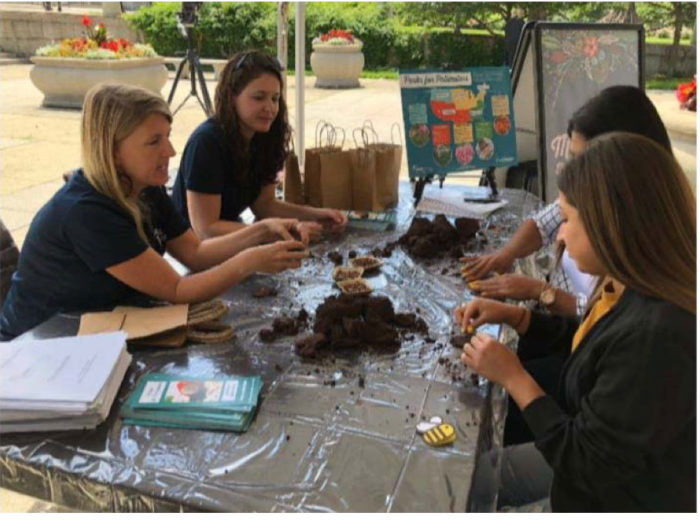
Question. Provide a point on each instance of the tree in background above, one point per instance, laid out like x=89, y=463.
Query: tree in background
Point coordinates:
x=657, y=15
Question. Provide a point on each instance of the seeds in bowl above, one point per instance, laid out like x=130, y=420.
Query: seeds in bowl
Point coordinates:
x=343, y=273
x=366, y=262
x=355, y=287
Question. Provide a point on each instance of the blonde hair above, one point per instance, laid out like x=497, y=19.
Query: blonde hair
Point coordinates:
x=638, y=210
x=111, y=112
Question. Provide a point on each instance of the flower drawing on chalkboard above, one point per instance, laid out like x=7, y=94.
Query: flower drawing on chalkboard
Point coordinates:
x=575, y=57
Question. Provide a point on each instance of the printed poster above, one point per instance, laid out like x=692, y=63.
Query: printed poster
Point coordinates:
x=457, y=120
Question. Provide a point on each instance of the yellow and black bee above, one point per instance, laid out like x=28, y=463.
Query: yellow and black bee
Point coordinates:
x=440, y=435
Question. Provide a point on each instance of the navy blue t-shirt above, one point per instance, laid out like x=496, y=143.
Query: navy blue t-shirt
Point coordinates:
x=71, y=241
x=207, y=166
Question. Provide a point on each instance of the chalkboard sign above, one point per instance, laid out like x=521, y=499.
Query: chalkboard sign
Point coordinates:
x=456, y=121
x=573, y=63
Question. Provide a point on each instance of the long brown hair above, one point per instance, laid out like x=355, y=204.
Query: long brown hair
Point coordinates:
x=271, y=148
x=639, y=213
x=111, y=112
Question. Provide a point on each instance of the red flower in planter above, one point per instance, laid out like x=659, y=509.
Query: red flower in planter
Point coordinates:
x=686, y=93
x=87, y=21
x=112, y=45
x=338, y=33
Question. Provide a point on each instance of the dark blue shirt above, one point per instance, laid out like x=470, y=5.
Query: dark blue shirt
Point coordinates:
x=71, y=241
x=208, y=166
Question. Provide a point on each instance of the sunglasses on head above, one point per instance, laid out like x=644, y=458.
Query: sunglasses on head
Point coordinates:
x=258, y=59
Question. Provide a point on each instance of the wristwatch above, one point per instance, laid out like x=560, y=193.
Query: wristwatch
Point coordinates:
x=548, y=295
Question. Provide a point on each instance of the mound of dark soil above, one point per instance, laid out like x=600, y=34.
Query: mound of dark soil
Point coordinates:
x=358, y=323
x=436, y=238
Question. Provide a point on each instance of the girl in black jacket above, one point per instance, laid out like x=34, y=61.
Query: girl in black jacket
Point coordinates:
x=620, y=433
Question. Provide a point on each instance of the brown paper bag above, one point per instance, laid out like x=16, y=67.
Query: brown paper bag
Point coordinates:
x=324, y=142
x=388, y=158
x=364, y=190
x=335, y=179
x=328, y=170
x=293, y=186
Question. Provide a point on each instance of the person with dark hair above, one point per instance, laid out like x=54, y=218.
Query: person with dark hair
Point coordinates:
x=624, y=108
x=620, y=433
x=231, y=160
x=617, y=108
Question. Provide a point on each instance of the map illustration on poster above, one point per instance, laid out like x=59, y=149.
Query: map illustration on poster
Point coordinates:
x=457, y=120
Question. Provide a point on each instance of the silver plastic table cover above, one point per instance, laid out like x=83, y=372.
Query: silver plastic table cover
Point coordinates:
x=320, y=441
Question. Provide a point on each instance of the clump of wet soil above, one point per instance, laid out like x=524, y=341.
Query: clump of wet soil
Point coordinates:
x=437, y=238
x=358, y=323
x=285, y=326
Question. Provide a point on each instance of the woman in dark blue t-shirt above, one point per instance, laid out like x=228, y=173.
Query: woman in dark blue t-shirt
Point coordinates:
x=101, y=238
x=231, y=160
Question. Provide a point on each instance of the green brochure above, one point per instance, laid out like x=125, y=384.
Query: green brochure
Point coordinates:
x=170, y=392
x=378, y=221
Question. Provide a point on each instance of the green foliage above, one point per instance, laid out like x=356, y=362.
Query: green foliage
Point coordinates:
x=371, y=22
x=227, y=27
x=661, y=82
x=158, y=24
x=663, y=14
x=406, y=35
x=223, y=29
x=433, y=49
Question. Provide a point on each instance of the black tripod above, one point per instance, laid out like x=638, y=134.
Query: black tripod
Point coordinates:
x=191, y=57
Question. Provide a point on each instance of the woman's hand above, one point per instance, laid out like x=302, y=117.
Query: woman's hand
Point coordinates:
x=279, y=228
x=333, y=220
x=512, y=286
x=492, y=360
x=308, y=231
x=480, y=311
x=274, y=257
x=476, y=267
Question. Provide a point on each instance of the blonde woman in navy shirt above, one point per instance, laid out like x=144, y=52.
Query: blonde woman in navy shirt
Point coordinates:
x=100, y=239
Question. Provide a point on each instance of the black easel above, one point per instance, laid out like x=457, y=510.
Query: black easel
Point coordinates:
x=191, y=57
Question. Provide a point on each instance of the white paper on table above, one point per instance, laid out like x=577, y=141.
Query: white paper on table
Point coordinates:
x=449, y=200
x=71, y=369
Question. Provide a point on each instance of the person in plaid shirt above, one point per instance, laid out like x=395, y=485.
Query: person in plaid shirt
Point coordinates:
x=617, y=108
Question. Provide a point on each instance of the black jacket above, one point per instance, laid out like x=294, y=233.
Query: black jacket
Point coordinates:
x=621, y=434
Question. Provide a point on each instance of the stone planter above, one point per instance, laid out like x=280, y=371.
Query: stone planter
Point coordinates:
x=337, y=66
x=65, y=81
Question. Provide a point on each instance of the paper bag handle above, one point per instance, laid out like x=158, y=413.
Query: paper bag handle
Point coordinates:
x=317, y=133
x=363, y=136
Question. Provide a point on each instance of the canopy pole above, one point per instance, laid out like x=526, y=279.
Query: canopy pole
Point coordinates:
x=299, y=73
x=283, y=40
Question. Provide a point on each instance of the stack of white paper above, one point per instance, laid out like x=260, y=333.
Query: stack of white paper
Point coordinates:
x=61, y=383
x=449, y=200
